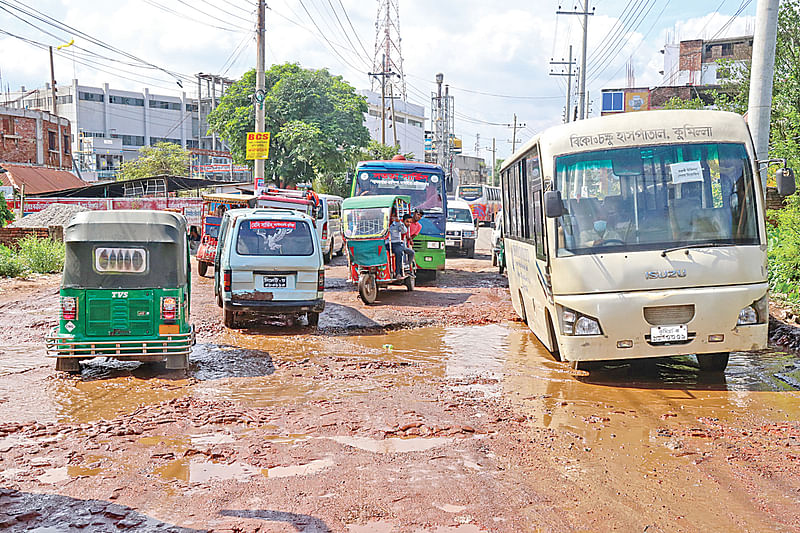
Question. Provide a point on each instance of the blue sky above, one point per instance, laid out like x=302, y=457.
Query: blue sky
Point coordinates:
x=499, y=48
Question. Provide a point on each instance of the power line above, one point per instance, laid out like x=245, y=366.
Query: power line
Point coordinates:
x=360, y=42
x=153, y=3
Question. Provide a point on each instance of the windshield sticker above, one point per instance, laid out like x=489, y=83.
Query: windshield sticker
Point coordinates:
x=392, y=180
x=686, y=172
x=626, y=137
x=271, y=224
x=120, y=260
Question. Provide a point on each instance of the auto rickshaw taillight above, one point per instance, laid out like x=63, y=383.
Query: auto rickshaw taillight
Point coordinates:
x=169, y=308
x=321, y=280
x=226, y=281
x=69, y=308
x=325, y=231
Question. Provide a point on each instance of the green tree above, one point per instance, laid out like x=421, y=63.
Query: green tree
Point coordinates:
x=6, y=215
x=316, y=121
x=161, y=158
x=339, y=183
x=676, y=102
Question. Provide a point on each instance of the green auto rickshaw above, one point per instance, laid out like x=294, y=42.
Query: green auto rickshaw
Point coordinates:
x=125, y=290
x=369, y=251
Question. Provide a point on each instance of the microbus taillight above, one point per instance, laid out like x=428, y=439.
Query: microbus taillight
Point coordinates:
x=169, y=308
x=69, y=308
x=321, y=280
x=325, y=231
x=226, y=281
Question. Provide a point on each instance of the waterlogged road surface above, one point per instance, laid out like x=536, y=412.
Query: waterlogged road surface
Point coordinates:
x=448, y=428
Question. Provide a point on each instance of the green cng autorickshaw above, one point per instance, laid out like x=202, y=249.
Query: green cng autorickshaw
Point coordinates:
x=125, y=291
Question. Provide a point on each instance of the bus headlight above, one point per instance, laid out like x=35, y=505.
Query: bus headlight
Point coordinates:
x=433, y=245
x=755, y=313
x=747, y=316
x=574, y=323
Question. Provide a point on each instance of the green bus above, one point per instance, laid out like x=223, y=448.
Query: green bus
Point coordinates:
x=125, y=291
x=424, y=183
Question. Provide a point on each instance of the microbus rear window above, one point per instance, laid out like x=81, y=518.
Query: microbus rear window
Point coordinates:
x=274, y=238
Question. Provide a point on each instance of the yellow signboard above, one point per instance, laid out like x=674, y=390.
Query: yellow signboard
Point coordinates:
x=257, y=146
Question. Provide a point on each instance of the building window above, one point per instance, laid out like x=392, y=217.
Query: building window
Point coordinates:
x=414, y=123
x=191, y=143
x=400, y=120
x=66, y=99
x=126, y=100
x=191, y=108
x=93, y=134
x=613, y=101
x=373, y=113
x=130, y=140
x=52, y=141
x=727, y=49
x=91, y=97
x=7, y=126
x=156, y=140
x=66, y=144
x=161, y=104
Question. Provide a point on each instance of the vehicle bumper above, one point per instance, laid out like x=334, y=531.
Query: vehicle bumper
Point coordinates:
x=460, y=243
x=621, y=317
x=276, y=307
x=60, y=345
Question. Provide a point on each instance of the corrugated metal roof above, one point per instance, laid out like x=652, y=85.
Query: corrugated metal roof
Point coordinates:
x=39, y=180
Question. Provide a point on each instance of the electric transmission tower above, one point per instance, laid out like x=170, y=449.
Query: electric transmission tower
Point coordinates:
x=442, y=115
x=387, y=44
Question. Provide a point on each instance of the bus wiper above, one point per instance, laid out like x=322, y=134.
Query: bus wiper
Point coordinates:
x=697, y=245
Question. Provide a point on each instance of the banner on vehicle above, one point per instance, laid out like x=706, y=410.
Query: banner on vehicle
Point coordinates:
x=271, y=224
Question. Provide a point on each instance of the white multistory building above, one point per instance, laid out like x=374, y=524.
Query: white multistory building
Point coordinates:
x=407, y=118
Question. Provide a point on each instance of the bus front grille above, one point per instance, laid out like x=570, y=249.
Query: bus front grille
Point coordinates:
x=669, y=315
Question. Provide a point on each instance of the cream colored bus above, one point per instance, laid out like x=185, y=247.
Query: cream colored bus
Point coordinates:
x=639, y=235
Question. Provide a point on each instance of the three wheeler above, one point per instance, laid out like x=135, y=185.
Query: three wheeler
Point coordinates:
x=214, y=205
x=369, y=253
x=125, y=291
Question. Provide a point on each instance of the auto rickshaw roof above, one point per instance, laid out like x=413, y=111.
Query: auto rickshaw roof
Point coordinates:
x=381, y=200
x=229, y=198
x=126, y=226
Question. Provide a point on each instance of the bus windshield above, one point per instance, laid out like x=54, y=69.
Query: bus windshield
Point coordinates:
x=656, y=197
x=426, y=190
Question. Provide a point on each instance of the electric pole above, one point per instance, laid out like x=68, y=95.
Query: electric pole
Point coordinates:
x=761, y=78
x=569, y=75
x=514, y=135
x=582, y=80
x=442, y=111
x=55, y=108
x=493, y=149
x=383, y=74
x=478, y=144
x=260, y=86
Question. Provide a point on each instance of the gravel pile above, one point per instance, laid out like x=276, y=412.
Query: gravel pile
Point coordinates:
x=52, y=215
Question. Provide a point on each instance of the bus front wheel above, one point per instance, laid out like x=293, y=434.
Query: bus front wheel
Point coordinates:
x=713, y=362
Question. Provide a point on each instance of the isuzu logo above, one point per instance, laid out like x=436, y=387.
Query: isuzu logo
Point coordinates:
x=665, y=274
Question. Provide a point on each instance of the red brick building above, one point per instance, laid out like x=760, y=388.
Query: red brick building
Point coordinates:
x=35, y=137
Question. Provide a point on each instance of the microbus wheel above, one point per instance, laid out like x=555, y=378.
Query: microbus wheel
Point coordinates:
x=713, y=362
x=313, y=319
x=68, y=364
x=219, y=300
x=367, y=288
x=326, y=257
x=229, y=318
x=409, y=283
x=471, y=252
x=202, y=268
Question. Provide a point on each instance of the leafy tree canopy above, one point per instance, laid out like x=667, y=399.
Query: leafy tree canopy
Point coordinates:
x=316, y=121
x=161, y=158
x=6, y=215
x=677, y=102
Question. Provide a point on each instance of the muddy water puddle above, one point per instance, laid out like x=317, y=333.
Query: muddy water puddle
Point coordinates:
x=195, y=471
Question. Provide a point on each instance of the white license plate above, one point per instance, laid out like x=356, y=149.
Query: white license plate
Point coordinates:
x=669, y=333
x=273, y=282
x=449, y=242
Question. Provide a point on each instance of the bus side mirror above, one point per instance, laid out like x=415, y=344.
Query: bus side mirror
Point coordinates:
x=784, y=179
x=553, y=206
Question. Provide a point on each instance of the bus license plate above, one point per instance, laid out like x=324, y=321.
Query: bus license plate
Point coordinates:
x=274, y=282
x=669, y=333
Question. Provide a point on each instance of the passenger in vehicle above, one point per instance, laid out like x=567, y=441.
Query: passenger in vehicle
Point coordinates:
x=600, y=233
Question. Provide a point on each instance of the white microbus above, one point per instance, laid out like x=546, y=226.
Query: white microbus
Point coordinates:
x=484, y=201
x=639, y=235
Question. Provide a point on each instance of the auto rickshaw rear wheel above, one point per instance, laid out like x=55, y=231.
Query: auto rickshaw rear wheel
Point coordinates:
x=229, y=318
x=409, y=282
x=68, y=364
x=202, y=268
x=367, y=288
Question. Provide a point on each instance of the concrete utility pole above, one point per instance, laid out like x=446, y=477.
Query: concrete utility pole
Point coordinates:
x=761, y=78
x=514, y=136
x=569, y=75
x=493, y=149
x=260, y=85
x=582, y=79
x=55, y=109
x=383, y=74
